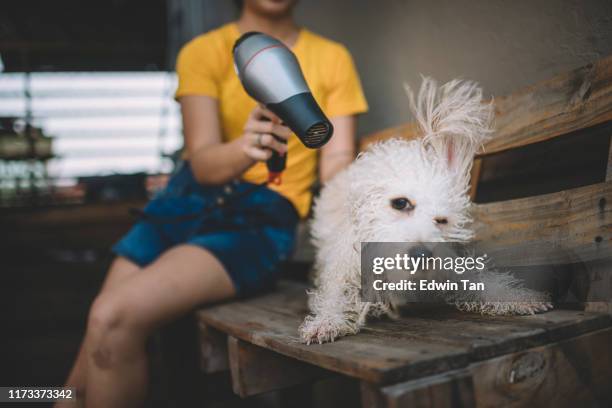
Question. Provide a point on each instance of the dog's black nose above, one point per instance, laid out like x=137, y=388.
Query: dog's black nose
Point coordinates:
x=419, y=251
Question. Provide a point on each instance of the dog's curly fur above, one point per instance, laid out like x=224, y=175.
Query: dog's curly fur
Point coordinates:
x=433, y=172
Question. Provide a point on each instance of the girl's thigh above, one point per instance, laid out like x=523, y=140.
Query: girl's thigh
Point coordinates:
x=182, y=278
x=120, y=270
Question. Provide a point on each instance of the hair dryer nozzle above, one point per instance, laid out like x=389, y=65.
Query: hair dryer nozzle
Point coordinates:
x=271, y=74
x=302, y=114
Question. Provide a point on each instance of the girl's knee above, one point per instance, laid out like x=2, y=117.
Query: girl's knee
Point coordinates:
x=106, y=314
x=113, y=311
x=112, y=332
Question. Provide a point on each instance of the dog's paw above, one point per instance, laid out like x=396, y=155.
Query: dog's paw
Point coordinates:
x=317, y=329
x=525, y=308
x=505, y=308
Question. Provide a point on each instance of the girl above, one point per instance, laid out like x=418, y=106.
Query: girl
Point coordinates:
x=164, y=270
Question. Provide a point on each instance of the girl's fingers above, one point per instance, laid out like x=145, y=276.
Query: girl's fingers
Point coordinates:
x=266, y=140
x=258, y=154
x=268, y=114
x=258, y=126
x=282, y=131
x=259, y=146
x=262, y=133
x=257, y=113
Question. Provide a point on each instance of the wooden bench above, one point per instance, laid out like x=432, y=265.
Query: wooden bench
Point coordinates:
x=438, y=357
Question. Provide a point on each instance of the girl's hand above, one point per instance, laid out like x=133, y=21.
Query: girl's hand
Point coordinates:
x=260, y=135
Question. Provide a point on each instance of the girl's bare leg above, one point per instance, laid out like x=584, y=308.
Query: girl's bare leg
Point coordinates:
x=123, y=316
x=120, y=270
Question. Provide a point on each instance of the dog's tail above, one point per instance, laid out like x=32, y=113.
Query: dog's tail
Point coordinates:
x=453, y=118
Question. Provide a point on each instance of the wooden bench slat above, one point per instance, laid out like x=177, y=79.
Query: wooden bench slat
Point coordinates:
x=213, y=349
x=570, y=101
x=578, y=221
x=385, y=351
x=569, y=373
x=278, y=332
x=451, y=389
x=486, y=337
x=256, y=370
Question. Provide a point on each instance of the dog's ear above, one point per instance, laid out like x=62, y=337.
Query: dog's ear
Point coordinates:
x=454, y=120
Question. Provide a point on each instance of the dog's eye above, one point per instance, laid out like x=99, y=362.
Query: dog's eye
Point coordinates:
x=402, y=203
x=441, y=220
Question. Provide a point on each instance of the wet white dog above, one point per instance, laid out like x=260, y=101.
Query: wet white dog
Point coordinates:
x=405, y=191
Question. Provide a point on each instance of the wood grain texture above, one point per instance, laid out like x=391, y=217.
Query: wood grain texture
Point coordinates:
x=609, y=169
x=598, y=299
x=568, y=102
x=431, y=342
x=569, y=373
x=565, y=103
x=537, y=234
x=453, y=389
x=475, y=177
x=565, y=227
x=213, y=349
x=256, y=370
x=576, y=225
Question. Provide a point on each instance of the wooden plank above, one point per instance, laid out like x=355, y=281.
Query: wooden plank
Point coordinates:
x=475, y=177
x=256, y=370
x=598, y=298
x=569, y=373
x=427, y=343
x=577, y=221
x=213, y=349
x=271, y=322
x=485, y=337
x=609, y=169
x=544, y=168
x=453, y=389
x=565, y=103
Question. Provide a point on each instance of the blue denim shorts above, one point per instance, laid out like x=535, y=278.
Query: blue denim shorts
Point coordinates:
x=250, y=229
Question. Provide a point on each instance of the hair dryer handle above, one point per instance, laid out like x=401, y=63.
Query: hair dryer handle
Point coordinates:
x=276, y=164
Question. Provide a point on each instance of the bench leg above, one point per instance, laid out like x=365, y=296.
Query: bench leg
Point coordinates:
x=453, y=389
x=213, y=349
x=256, y=370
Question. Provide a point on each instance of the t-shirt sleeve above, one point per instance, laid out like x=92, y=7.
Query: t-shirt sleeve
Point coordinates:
x=197, y=67
x=345, y=94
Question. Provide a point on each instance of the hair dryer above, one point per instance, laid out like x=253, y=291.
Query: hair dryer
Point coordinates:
x=271, y=74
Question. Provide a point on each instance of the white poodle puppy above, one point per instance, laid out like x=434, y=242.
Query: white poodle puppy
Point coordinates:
x=405, y=191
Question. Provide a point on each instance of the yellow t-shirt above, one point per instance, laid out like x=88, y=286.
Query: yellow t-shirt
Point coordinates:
x=205, y=67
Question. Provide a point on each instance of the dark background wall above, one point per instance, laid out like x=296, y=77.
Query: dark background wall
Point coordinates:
x=502, y=44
